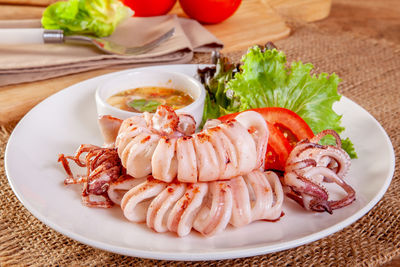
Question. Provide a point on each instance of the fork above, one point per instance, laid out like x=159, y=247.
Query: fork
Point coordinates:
x=20, y=36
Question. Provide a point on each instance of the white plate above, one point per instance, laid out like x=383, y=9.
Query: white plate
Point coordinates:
x=67, y=119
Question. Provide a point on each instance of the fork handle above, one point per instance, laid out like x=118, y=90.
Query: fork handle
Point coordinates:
x=30, y=36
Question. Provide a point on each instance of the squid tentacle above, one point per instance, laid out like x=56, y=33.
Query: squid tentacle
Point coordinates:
x=309, y=165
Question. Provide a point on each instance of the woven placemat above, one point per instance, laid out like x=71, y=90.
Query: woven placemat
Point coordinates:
x=371, y=77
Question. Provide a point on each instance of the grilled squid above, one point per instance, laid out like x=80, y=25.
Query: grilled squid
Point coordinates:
x=207, y=207
x=103, y=167
x=165, y=146
x=160, y=172
x=310, y=165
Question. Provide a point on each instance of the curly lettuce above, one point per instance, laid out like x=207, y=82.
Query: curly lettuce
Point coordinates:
x=88, y=17
x=265, y=80
x=214, y=80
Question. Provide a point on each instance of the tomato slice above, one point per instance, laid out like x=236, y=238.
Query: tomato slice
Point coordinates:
x=292, y=125
x=286, y=129
x=288, y=122
x=278, y=149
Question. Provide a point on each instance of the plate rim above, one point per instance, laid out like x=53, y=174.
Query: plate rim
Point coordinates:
x=222, y=254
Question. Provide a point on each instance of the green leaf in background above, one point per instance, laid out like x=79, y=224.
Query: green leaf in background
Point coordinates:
x=143, y=105
x=90, y=17
x=214, y=83
x=264, y=80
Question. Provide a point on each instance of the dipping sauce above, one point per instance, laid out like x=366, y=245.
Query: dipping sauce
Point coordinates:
x=149, y=98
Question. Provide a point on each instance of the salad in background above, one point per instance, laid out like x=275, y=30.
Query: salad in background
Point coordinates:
x=295, y=103
x=89, y=17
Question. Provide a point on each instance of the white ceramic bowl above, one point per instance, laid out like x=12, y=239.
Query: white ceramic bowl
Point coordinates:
x=137, y=79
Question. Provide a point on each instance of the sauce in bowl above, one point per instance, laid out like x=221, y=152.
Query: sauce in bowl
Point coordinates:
x=149, y=98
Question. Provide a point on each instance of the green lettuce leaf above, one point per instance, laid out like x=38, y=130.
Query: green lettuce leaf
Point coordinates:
x=214, y=81
x=264, y=80
x=88, y=17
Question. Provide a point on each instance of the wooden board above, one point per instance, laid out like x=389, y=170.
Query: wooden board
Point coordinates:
x=255, y=22
x=29, y=2
x=301, y=10
x=11, y=12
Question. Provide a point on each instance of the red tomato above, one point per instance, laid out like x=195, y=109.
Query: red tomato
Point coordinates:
x=148, y=8
x=292, y=125
x=286, y=128
x=278, y=149
x=209, y=11
x=288, y=122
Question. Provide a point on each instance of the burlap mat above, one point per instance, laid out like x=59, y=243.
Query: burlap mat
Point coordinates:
x=371, y=77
